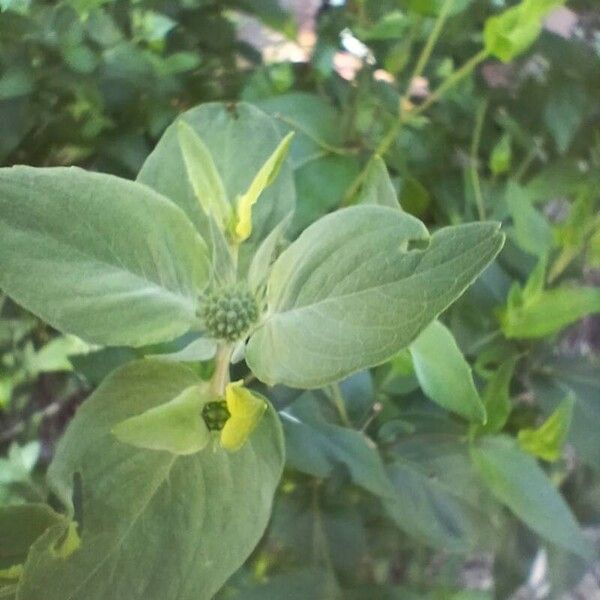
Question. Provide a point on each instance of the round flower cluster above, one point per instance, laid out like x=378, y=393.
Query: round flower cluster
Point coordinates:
x=228, y=313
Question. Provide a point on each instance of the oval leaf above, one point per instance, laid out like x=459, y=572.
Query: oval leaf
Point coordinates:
x=155, y=525
x=104, y=258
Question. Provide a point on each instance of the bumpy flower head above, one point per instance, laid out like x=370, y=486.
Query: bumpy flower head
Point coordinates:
x=228, y=313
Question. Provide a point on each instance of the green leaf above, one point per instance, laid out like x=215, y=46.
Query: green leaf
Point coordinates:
x=378, y=187
x=203, y=175
x=240, y=139
x=321, y=184
x=199, y=350
x=517, y=481
x=496, y=397
x=548, y=440
x=54, y=356
x=19, y=464
x=316, y=122
x=532, y=231
x=348, y=294
x=155, y=525
x=444, y=374
x=264, y=256
x=548, y=311
x=263, y=179
x=392, y=25
x=176, y=426
x=427, y=510
x=501, y=156
x=563, y=376
x=20, y=526
x=512, y=32
x=316, y=447
x=414, y=197
x=106, y=259
x=564, y=113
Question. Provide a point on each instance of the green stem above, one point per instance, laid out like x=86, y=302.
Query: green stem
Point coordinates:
x=396, y=127
x=390, y=136
x=340, y=405
x=451, y=81
x=527, y=161
x=474, y=159
x=220, y=377
x=430, y=43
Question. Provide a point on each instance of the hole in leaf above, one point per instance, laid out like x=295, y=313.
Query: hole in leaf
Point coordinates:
x=418, y=244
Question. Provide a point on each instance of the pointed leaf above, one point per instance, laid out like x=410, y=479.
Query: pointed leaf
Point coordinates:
x=265, y=176
x=316, y=447
x=549, y=311
x=348, y=294
x=517, y=481
x=548, y=440
x=240, y=138
x=444, y=374
x=378, y=187
x=203, y=175
x=20, y=526
x=512, y=31
x=496, y=397
x=532, y=232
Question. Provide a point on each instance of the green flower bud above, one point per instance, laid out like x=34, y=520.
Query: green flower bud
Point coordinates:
x=228, y=313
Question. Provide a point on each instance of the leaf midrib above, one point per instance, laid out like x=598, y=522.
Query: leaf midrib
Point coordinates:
x=370, y=289
x=129, y=528
x=180, y=298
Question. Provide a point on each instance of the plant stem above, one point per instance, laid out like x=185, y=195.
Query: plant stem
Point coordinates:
x=406, y=117
x=450, y=82
x=338, y=401
x=474, y=159
x=531, y=155
x=220, y=377
x=396, y=127
x=430, y=43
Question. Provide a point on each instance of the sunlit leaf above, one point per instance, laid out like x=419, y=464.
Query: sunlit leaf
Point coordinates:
x=265, y=176
x=548, y=439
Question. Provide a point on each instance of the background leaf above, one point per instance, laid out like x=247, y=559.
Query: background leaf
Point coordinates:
x=316, y=447
x=518, y=482
x=444, y=374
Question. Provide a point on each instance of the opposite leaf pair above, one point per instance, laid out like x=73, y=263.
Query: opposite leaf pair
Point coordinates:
x=117, y=263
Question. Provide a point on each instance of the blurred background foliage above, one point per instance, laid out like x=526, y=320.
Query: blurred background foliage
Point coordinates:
x=384, y=496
